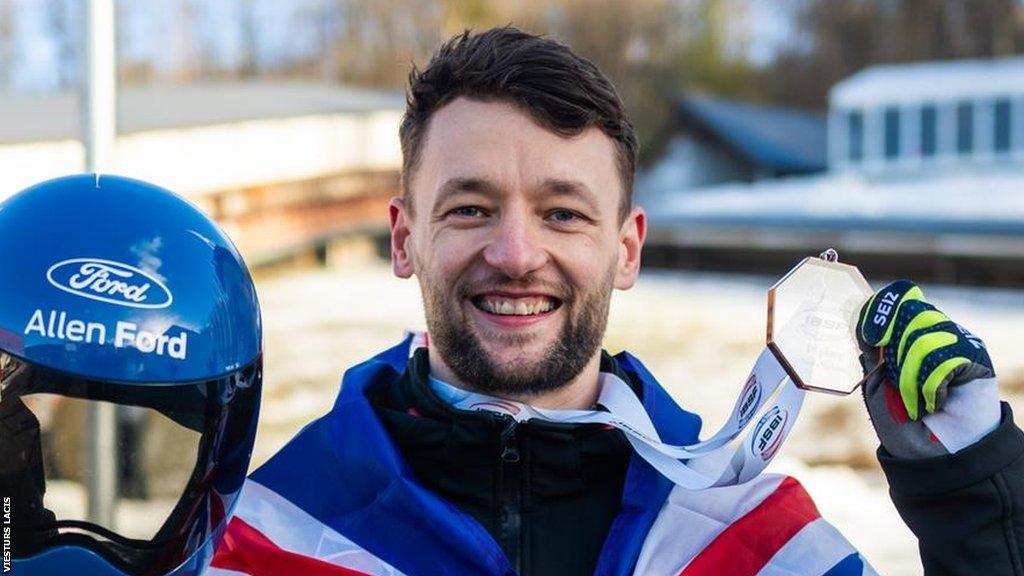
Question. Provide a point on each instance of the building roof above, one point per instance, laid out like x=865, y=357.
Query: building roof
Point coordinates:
x=781, y=140
x=48, y=117
x=914, y=82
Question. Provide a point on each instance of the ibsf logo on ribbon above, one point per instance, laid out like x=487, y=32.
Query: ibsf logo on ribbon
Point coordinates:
x=109, y=281
x=768, y=433
x=751, y=396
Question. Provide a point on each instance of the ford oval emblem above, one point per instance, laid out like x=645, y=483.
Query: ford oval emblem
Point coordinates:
x=109, y=281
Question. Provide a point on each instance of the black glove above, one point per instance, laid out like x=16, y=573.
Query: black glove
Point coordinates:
x=937, y=392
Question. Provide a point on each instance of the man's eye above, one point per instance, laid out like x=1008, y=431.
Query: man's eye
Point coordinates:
x=467, y=212
x=564, y=216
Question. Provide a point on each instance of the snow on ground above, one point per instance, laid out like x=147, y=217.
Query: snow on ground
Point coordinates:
x=933, y=194
x=699, y=333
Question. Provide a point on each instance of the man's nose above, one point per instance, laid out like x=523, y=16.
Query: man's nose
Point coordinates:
x=514, y=249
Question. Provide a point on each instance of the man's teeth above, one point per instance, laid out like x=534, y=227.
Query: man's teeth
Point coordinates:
x=517, y=307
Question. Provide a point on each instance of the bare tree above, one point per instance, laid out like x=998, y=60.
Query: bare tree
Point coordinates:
x=848, y=35
x=249, y=64
x=6, y=42
x=64, y=30
x=379, y=39
x=187, y=49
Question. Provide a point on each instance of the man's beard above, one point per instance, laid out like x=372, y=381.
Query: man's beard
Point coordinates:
x=586, y=317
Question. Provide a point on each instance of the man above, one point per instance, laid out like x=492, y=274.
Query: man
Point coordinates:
x=516, y=218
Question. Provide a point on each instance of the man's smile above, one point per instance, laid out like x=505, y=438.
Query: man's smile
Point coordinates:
x=508, y=309
x=508, y=304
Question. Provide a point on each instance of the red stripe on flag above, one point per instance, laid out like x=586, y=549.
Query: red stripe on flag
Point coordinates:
x=245, y=549
x=750, y=542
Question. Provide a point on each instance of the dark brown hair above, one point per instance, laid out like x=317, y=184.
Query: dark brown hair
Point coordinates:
x=563, y=92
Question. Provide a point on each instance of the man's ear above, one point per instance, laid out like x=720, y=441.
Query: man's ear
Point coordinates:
x=401, y=238
x=631, y=242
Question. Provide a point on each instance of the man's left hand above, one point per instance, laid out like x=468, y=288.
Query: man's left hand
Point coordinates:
x=937, y=392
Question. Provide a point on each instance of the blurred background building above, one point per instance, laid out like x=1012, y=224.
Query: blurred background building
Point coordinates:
x=271, y=161
x=923, y=178
x=892, y=130
x=717, y=141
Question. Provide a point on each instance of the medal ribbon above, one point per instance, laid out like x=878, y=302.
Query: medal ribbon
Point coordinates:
x=769, y=400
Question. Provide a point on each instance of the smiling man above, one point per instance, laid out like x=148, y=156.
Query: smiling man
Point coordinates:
x=482, y=449
x=517, y=234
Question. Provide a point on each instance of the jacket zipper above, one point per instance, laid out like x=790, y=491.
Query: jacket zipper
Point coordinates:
x=511, y=500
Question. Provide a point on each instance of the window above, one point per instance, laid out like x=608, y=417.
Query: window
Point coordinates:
x=855, y=122
x=892, y=133
x=965, y=127
x=929, y=133
x=1001, y=142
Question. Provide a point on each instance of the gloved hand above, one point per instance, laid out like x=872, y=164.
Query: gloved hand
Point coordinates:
x=937, y=392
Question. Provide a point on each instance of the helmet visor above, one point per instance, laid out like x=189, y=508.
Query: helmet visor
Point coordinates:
x=166, y=440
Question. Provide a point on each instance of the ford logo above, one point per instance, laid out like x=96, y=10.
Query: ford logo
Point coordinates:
x=109, y=281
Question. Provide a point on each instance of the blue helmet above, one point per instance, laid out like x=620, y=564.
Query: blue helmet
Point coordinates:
x=114, y=290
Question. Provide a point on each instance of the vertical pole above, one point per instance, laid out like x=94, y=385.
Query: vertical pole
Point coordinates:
x=98, y=117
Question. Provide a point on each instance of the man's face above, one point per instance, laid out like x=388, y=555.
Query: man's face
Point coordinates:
x=514, y=235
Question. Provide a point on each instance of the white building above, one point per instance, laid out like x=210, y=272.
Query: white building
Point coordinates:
x=935, y=114
x=924, y=179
